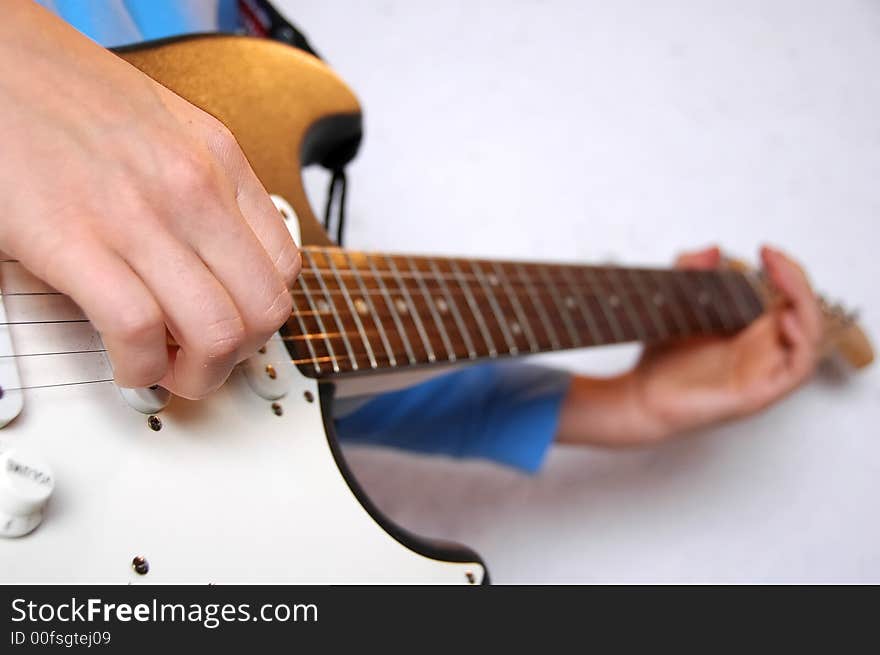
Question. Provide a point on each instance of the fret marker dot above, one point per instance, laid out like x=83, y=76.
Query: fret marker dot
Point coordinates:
x=442, y=306
x=515, y=328
x=492, y=279
x=323, y=307
x=361, y=306
x=401, y=305
x=658, y=299
x=703, y=298
x=614, y=301
x=569, y=302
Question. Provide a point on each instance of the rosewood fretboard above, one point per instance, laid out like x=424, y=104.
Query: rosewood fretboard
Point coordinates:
x=356, y=311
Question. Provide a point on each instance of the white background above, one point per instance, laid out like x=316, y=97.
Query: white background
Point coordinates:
x=625, y=131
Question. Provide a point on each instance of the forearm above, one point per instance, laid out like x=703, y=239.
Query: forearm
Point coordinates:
x=607, y=412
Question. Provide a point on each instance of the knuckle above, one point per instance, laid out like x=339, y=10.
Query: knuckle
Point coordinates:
x=220, y=139
x=279, y=311
x=224, y=339
x=274, y=316
x=137, y=324
x=191, y=172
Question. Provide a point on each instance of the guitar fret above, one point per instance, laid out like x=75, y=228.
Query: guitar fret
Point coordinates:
x=375, y=316
x=560, y=307
x=456, y=314
x=753, y=297
x=496, y=308
x=590, y=322
x=735, y=292
x=696, y=301
x=610, y=317
x=506, y=301
x=407, y=298
x=475, y=310
x=333, y=310
x=662, y=330
x=720, y=308
x=320, y=322
x=351, y=308
x=392, y=310
x=628, y=309
x=517, y=307
x=302, y=326
x=677, y=315
x=539, y=307
x=450, y=352
x=724, y=307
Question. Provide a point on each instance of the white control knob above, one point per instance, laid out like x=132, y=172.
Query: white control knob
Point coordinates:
x=148, y=400
x=26, y=482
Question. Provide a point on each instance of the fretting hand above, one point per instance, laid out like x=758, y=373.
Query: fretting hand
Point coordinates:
x=682, y=386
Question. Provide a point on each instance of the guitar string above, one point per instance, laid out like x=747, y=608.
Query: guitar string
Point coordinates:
x=516, y=279
x=55, y=352
x=348, y=333
x=585, y=289
x=366, y=333
x=624, y=293
x=417, y=258
x=295, y=361
x=4, y=390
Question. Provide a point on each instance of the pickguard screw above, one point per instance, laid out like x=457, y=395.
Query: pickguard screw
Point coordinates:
x=309, y=396
x=140, y=565
x=278, y=409
x=471, y=578
x=155, y=423
x=262, y=350
x=270, y=371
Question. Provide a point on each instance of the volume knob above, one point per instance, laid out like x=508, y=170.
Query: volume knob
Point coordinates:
x=26, y=483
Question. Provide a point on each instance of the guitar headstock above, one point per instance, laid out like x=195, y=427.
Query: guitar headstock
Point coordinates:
x=842, y=336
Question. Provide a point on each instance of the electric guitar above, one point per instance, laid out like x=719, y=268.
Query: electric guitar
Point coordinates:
x=106, y=485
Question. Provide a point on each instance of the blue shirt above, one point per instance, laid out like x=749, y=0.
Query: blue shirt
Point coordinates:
x=507, y=413
x=121, y=22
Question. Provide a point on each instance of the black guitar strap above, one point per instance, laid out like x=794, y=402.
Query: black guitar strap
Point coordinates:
x=260, y=18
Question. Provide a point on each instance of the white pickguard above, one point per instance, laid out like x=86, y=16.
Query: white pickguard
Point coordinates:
x=226, y=492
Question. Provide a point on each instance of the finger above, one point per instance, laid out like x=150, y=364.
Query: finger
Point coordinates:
x=802, y=349
x=707, y=258
x=199, y=313
x=119, y=305
x=257, y=208
x=268, y=225
x=229, y=248
x=790, y=281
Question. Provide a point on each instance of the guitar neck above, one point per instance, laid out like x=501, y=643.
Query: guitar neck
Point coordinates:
x=356, y=311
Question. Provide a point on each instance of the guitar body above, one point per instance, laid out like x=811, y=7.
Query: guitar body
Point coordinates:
x=239, y=487
x=248, y=485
